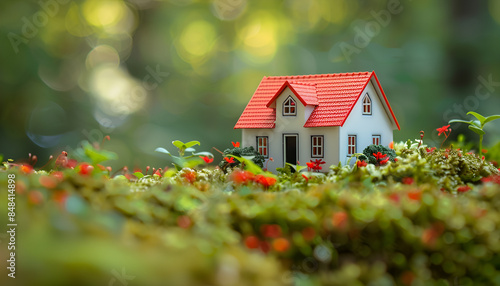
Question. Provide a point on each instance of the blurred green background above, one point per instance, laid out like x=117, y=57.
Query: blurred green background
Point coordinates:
x=148, y=72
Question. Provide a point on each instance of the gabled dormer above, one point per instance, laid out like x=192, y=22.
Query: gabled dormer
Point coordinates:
x=290, y=95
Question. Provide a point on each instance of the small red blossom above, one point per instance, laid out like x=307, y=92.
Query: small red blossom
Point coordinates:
x=493, y=179
x=360, y=163
x=236, y=145
x=184, y=221
x=281, y=244
x=340, y=219
x=408, y=180
x=85, y=169
x=252, y=242
x=58, y=175
x=207, y=159
x=49, y=182
x=305, y=177
x=379, y=155
x=190, y=176
x=271, y=230
x=430, y=150
x=484, y=151
x=35, y=197
x=391, y=145
x=310, y=165
x=383, y=162
x=308, y=233
x=265, y=246
x=229, y=160
x=415, y=195
x=242, y=177
x=265, y=181
x=431, y=234
x=25, y=168
x=60, y=198
x=443, y=129
x=394, y=197
x=463, y=189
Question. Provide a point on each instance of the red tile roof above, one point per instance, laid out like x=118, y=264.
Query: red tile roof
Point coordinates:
x=305, y=92
x=334, y=94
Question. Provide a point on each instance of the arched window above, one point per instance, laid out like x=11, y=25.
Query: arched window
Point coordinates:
x=367, y=105
x=289, y=107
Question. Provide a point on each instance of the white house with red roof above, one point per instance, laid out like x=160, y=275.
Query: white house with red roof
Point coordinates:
x=307, y=117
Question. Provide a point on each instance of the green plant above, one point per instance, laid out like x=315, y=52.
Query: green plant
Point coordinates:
x=183, y=160
x=372, y=153
x=245, y=152
x=477, y=125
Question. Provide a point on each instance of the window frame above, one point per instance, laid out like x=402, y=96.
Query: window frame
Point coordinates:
x=367, y=103
x=321, y=146
x=378, y=138
x=264, y=147
x=349, y=145
x=293, y=105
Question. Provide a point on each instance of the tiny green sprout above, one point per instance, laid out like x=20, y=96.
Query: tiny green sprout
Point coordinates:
x=477, y=125
x=182, y=160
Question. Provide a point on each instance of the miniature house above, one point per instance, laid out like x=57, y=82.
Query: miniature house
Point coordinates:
x=327, y=116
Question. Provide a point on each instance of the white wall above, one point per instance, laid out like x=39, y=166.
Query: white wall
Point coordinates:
x=364, y=126
x=294, y=124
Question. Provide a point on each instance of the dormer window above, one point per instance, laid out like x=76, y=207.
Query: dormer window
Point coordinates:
x=367, y=105
x=289, y=107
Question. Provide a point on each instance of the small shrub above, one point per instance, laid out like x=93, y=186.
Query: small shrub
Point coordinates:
x=256, y=157
x=370, y=150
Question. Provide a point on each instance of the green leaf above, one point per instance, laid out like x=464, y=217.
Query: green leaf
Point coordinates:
x=192, y=143
x=460, y=121
x=162, y=150
x=97, y=156
x=491, y=118
x=138, y=175
x=297, y=168
x=179, y=144
x=208, y=154
x=249, y=164
x=477, y=123
x=476, y=129
x=478, y=116
x=189, y=149
x=193, y=163
x=1, y=158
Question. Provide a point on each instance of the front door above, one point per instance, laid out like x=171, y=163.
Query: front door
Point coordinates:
x=290, y=148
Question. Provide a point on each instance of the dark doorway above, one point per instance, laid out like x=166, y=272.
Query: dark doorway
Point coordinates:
x=290, y=149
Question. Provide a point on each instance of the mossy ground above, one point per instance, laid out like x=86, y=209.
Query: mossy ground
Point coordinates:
x=432, y=217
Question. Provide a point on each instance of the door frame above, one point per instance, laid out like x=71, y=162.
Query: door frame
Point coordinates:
x=285, y=135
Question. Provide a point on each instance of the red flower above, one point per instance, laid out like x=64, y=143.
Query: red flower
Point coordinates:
x=49, y=182
x=184, y=221
x=190, y=176
x=391, y=145
x=235, y=145
x=310, y=165
x=308, y=233
x=265, y=181
x=463, y=189
x=431, y=234
x=229, y=160
x=361, y=164
x=252, y=242
x=281, y=244
x=493, y=178
x=85, y=169
x=443, y=129
x=430, y=150
x=415, y=195
x=207, y=159
x=305, y=177
x=25, y=168
x=271, y=230
x=340, y=219
x=35, y=197
x=242, y=177
x=383, y=162
x=408, y=180
x=379, y=156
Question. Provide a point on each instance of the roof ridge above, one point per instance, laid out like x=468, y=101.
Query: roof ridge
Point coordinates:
x=318, y=75
x=303, y=83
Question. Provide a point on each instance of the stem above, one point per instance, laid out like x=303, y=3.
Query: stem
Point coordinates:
x=480, y=146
